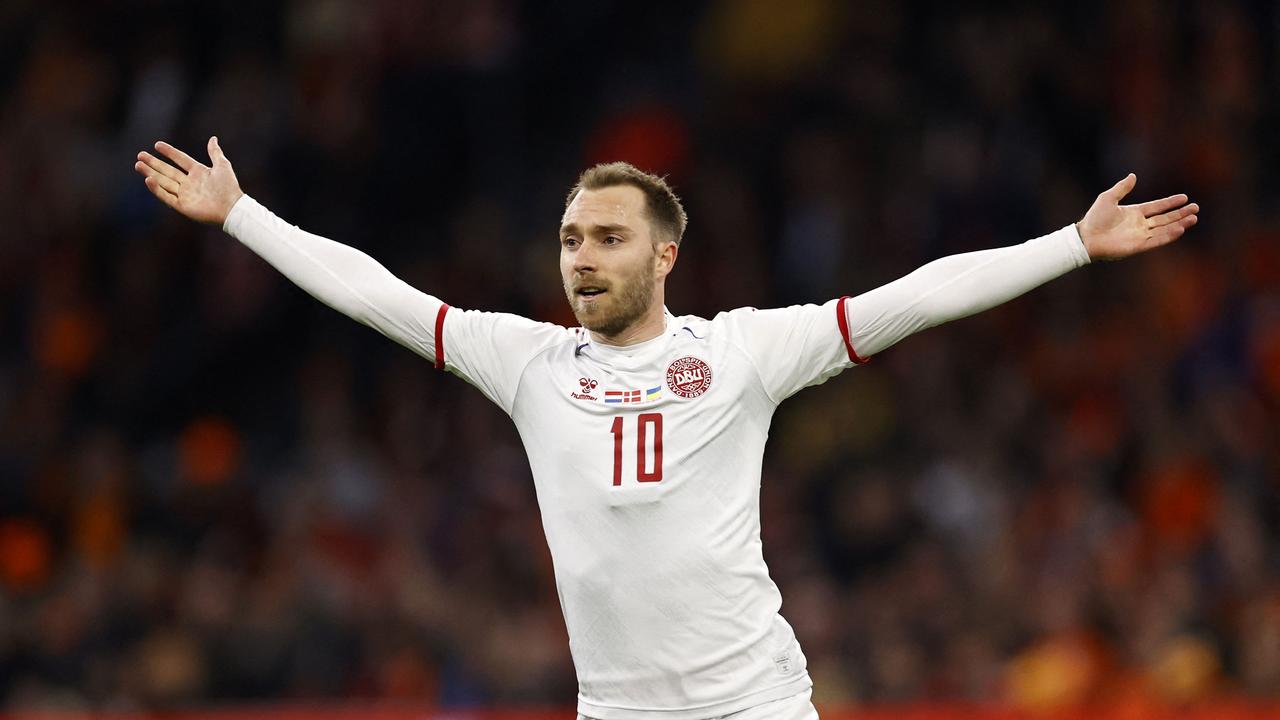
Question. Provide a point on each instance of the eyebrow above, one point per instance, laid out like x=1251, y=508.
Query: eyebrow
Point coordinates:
x=572, y=228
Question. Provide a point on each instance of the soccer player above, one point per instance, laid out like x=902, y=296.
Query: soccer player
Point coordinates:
x=646, y=430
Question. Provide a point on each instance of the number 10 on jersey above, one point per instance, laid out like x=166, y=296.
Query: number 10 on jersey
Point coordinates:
x=648, y=431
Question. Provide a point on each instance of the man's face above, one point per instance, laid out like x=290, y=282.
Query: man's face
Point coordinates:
x=608, y=259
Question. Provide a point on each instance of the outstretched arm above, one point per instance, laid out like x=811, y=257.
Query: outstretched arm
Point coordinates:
x=961, y=285
x=341, y=277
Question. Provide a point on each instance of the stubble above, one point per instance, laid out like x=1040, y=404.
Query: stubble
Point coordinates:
x=628, y=302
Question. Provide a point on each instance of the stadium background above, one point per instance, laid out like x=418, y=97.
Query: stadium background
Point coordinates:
x=215, y=492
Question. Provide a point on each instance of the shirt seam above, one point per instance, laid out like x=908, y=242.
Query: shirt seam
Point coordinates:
x=524, y=369
x=755, y=367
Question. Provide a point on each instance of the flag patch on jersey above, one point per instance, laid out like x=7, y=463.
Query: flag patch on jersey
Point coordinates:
x=632, y=396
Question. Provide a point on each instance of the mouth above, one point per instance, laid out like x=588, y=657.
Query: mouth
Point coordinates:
x=589, y=293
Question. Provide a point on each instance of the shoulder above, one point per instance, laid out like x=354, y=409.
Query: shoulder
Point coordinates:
x=755, y=320
x=733, y=325
x=692, y=325
x=508, y=322
x=500, y=338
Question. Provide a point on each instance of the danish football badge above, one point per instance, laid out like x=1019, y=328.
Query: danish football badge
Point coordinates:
x=688, y=377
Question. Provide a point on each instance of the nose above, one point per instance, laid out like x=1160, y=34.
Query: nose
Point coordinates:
x=584, y=260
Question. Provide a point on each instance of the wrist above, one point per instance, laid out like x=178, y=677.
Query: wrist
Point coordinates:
x=1078, y=247
x=231, y=210
x=1084, y=240
x=231, y=204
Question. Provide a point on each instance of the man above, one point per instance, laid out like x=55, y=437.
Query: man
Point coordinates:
x=646, y=431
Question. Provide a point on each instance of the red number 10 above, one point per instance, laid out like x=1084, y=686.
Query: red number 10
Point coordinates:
x=642, y=473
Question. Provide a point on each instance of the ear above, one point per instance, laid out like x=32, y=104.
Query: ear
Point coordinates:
x=665, y=257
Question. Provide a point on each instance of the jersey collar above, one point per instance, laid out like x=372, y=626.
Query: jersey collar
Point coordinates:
x=627, y=356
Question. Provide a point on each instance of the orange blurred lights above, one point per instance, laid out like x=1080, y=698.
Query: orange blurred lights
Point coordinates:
x=99, y=530
x=1181, y=502
x=25, y=554
x=209, y=451
x=67, y=341
x=1060, y=672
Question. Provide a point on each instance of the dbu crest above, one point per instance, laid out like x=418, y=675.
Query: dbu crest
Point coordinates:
x=688, y=377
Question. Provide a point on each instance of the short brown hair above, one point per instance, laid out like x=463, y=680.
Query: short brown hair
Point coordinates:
x=661, y=204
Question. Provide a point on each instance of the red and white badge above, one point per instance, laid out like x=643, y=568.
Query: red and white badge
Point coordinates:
x=688, y=377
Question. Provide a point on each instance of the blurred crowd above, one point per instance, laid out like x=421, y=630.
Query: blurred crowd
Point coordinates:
x=213, y=489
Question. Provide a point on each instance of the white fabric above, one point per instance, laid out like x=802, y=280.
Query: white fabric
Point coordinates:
x=957, y=286
x=669, y=605
x=339, y=276
x=656, y=541
x=796, y=707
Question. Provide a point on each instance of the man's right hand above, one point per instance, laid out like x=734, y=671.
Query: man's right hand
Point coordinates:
x=200, y=192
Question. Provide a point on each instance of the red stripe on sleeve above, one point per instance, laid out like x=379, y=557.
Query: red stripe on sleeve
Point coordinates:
x=444, y=308
x=843, y=320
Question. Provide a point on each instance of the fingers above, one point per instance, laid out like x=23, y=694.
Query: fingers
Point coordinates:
x=160, y=177
x=1174, y=216
x=215, y=151
x=1122, y=188
x=165, y=196
x=160, y=166
x=1155, y=207
x=178, y=157
x=1172, y=231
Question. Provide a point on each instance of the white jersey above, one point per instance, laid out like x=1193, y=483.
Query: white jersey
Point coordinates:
x=646, y=458
x=646, y=461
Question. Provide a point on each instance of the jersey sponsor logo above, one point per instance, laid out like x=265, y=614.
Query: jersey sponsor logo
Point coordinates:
x=632, y=396
x=688, y=377
x=587, y=384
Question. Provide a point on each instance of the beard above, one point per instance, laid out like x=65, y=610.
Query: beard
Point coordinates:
x=620, y=308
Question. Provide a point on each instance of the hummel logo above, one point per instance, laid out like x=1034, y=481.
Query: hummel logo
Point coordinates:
x=587, y=384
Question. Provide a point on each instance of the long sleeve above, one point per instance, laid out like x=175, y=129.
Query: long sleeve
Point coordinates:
x=488, y=350
x=339, y=276
x=958, y=286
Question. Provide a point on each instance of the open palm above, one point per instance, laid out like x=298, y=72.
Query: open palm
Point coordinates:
x=1112, y=231
x=201, y=192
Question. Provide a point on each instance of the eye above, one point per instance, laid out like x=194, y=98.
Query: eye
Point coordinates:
x=569, y=242
x=612, y=240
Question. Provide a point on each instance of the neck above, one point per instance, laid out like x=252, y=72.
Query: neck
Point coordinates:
x=647, y=327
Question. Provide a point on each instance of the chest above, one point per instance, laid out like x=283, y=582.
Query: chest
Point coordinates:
x=644, y=432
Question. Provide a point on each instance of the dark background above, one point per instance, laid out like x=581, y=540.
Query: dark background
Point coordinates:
x=213, y=489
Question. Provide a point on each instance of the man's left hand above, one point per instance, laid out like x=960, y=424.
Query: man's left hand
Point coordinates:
x=1111, y=231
